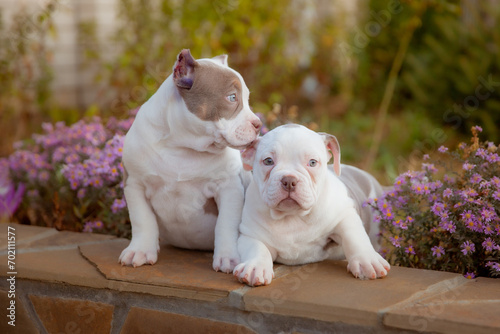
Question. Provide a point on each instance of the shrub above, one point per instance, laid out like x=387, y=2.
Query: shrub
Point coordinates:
x=69, y=178
x=446, y=220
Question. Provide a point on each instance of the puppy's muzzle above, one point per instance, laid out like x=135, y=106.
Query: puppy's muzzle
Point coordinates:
x=288, y=183
x=257, y=124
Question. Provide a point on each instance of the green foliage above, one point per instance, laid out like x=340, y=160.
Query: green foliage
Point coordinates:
x=263, y=44
x=25, y=72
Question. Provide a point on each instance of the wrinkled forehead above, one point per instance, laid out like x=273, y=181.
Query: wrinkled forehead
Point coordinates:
x=293, y=139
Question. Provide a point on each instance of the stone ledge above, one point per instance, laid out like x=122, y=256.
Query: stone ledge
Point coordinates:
x=63, y=278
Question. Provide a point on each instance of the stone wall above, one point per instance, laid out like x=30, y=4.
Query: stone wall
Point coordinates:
x=67, y=282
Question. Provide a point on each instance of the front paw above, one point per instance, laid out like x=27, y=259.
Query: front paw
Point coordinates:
x=368, y=266
x=254, y=273
x=136, y=256
x=225, y=262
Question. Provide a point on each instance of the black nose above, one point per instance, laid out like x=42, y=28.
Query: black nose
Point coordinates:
x=289, y=182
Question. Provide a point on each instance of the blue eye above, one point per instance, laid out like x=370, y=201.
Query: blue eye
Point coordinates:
x=231, y=98
x=268, y=161
x=312, y=163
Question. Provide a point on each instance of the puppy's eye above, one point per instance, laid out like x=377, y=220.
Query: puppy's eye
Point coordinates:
x=268, y=161
x=231, y=98
x=312, y=163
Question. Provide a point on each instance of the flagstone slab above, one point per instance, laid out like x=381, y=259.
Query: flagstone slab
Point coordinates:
x=326, y=291
x=175, y=268
x=470, y=308
x=59, y=266
x=23, y=234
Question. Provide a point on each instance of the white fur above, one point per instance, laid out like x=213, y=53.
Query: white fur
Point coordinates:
x=297, y=234
x=175, y=162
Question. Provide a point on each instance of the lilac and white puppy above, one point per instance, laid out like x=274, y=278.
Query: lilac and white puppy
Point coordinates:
x=297, y=210
x=184, y=181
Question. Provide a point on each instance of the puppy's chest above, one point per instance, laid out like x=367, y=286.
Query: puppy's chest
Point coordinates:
x=301, y=243
x=167, y=196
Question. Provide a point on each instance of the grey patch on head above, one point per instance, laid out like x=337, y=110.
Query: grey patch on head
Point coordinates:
x=210, y=207
x=359, y=185
x=207, y=96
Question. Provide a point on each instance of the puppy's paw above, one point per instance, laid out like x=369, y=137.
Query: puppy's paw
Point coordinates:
x=254, y=273
x=136, y=257
x=368, y=266
x=225, y=262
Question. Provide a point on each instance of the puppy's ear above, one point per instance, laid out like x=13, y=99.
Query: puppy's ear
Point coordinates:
x=184, y=70
x=333, y=146
x=248, y=154
x=222, y=59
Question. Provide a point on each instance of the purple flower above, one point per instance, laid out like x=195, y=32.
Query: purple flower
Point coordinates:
x=437, y=208
x=447, y=193
x=488, y=214
x=477, y=128
x=90, y=226
x=448, y=226
x=470, y=275
x=118, y=204
x=495, y=180
x=410, y=250
x=442, y=149
x=493, y=157
x=468, y=247
x=425, y=157
x=430, y=168
x=482, y=153
x=467, y=166
x=420, y=188
x=476, y=178
x=395, y=240
x=489, y=244
x=493, y=265
x=496, y=195
x=400, y=224
x=437, y=251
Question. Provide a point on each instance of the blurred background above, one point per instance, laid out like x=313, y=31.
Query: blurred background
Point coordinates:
x=393, y=80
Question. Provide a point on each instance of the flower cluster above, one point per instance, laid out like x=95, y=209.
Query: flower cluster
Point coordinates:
x=446, y=218
x=69, y=177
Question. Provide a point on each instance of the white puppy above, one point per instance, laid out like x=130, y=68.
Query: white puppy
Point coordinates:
x=183, y=182
x=299, y=211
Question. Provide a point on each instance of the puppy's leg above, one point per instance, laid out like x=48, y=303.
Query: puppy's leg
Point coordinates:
x=257, y=262
x=230, y=204
x=144, y=246
x=363, y=261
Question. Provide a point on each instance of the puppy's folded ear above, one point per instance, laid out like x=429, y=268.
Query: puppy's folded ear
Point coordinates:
x=332, y=145
x=222, y=59
x=184, y=70
x=248, y=154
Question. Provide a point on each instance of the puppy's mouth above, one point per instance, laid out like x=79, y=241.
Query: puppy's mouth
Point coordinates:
x=288, y=204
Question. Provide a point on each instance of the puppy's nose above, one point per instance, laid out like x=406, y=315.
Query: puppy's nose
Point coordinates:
x=289, y=182
x=256, y=124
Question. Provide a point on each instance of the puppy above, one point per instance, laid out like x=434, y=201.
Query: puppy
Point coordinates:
x=184, y=179
x=297, y=210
